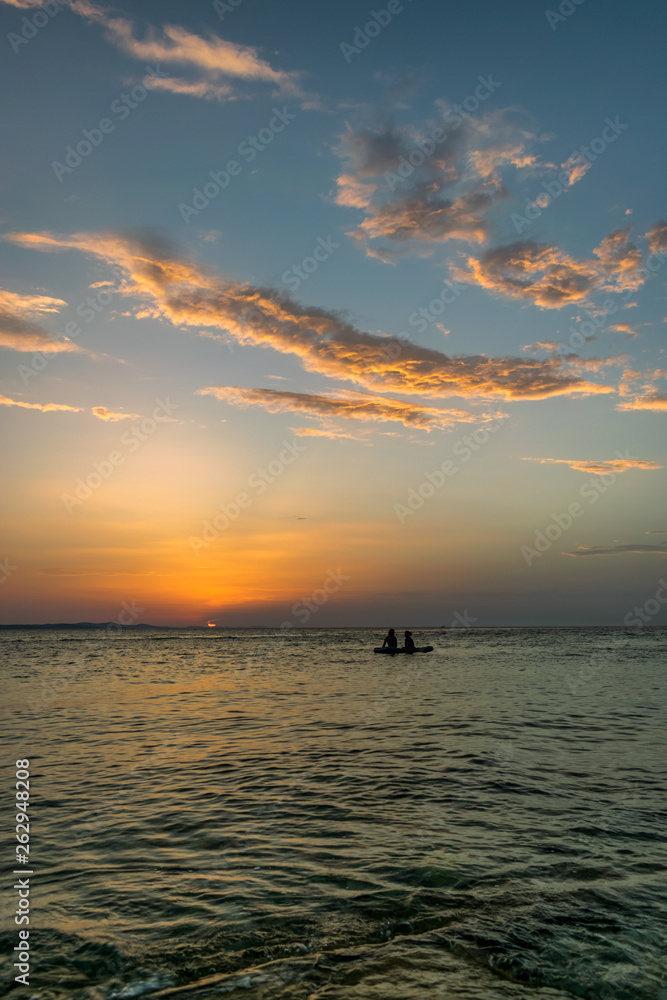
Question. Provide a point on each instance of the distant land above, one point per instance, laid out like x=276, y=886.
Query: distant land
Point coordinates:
x=114, y=625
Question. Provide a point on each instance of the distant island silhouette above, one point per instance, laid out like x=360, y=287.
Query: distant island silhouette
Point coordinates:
x=98, y=625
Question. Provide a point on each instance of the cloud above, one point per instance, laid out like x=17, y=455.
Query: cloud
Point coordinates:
x=189, y=296
x=44, y=407
x=18, y=329
x=103, y=414
x=614, y=550
x=624, y=328
x=327, y=432
x=549, y=277
x=599, y=468
x=651, y=400
x=98, y=411
x=659, y=531
x=214, y=65
x=543, y=345
x=657, y=237
x=576, y=167
x=348, y=405
x=416, y=192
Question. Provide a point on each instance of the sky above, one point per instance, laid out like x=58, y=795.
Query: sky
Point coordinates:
x=329, y=314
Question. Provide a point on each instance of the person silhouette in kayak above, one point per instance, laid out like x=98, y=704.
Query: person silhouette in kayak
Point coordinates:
x=390, y=640
x=409, y=642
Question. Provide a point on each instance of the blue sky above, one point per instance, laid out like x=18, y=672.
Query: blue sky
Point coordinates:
x=308, y=301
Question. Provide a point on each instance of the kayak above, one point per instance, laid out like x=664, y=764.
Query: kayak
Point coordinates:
x=401, y=649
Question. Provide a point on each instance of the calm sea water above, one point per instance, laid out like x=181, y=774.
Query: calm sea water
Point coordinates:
x=285, y=815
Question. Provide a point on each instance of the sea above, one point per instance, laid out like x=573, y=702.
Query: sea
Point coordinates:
x=282, y=814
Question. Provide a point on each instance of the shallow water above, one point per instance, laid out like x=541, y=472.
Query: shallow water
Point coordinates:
x=285, y=815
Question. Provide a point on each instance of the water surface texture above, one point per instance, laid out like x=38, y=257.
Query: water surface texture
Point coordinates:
x=270, y=814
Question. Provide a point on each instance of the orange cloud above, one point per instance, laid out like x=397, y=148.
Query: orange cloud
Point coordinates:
x=103, y=414
x=551, y=278
x=348, y=405
x=18, y=329
x=44, y=407
x=624, y=328
x=599, y=468
x=657, y=237
x=576, y=166
x=652, y=400
x=186, y=295
x=212, y=60
x=98, y=411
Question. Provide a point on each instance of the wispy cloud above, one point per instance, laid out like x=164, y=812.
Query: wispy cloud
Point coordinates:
x=181, y=292
x=615, y=550
x=347, y=405
x=100, y=412
x=18, y=329
x=657, y=237
x=214, y=66
x=624, y=328
x=44, y=407
x=599, y=468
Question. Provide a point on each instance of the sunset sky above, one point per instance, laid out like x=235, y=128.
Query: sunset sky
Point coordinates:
x=326, y=313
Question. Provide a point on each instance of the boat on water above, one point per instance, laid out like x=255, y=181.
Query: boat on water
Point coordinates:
x=402, y=649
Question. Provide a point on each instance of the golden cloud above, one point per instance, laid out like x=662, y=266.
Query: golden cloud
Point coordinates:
x=186, y=295
x=18, y=329
x=103, y=414
x=212, y=60
x=44, y=407
x=599, y=468
x=549, y=277
x=652, y=400
x=348, y=405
